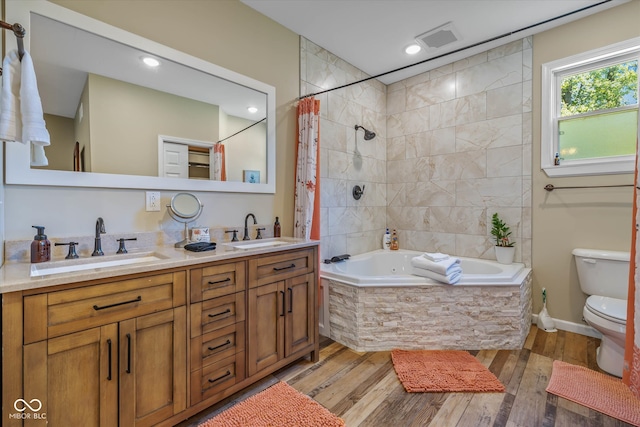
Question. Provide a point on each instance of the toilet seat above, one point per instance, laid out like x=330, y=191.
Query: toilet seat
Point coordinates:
x=612, y=309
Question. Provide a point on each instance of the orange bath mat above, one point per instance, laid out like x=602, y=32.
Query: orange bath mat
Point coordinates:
x=279, y=405
x=594, y=390
x=443, y=371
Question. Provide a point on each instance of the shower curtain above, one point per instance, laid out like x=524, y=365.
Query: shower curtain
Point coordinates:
x=631, y=369
x=219, y=168
x=307, y=191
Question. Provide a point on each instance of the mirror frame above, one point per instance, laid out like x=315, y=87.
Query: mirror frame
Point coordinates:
x=17, y=163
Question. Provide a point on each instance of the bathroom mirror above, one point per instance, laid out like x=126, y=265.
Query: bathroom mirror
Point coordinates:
x=185, y=208
x=105, y=59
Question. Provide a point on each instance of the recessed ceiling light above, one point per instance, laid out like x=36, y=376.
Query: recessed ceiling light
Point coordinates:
x=252, y=110
x=412, y=49
x=151, y=62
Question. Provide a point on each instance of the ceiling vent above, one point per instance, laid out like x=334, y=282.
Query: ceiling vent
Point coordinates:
x=438, y=37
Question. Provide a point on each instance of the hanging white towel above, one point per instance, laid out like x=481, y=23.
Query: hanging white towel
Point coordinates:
x=443, y=267
x=21, y=115
x=33, y=126
x=10, y=123
x=452, y=278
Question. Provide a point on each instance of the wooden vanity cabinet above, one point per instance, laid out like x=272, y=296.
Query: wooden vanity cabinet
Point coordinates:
x=107, y=354
x=282, y=313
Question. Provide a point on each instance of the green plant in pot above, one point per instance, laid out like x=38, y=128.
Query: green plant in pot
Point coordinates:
x=504, y=247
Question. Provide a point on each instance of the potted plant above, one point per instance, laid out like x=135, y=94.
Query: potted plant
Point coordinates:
x=504, y=247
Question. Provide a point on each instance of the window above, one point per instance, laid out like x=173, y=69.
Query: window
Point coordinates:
x=590, y=112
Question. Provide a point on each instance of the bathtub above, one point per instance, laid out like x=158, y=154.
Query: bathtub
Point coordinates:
x=373, y=302
x=393, y=268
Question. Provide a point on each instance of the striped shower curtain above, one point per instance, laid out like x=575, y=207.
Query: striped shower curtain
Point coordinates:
x=307, y=192
x=631, y=369
x=219, y=167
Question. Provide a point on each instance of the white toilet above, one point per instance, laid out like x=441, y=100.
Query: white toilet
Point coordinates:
x=604, y=276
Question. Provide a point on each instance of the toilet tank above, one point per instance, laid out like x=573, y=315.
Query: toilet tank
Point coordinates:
x=602, y=272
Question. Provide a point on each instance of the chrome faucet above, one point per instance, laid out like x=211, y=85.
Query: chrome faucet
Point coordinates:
x=97, y=247
x=246, y=228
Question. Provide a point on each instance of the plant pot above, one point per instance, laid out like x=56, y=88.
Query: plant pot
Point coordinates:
x=505, y=254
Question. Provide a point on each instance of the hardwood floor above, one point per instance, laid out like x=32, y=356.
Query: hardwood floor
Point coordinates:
x=362, y=388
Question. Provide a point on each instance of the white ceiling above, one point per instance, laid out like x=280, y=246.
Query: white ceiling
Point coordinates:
x=372, y=34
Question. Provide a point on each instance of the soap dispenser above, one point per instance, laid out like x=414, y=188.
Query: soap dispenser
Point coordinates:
x=40, y=247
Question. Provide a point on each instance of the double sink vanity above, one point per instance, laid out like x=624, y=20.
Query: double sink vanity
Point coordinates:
x=154, y=337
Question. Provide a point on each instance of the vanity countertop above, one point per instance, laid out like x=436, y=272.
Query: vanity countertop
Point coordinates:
x=17, y=276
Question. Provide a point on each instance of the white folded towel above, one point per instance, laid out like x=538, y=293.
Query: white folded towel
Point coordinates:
x=10, y=123
x=443, y=267
x=33, y=126
x=452, y=278
x=435, y=256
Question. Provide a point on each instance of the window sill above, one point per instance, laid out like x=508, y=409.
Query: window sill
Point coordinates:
x=605, y=167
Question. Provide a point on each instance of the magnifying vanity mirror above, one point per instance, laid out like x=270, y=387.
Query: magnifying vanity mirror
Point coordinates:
x=186, y=208
x=116, y=123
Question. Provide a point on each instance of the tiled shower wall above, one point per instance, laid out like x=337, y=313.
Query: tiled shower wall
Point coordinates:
x=453, y=146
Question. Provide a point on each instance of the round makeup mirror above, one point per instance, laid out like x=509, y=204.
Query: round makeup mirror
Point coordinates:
x=185, y=208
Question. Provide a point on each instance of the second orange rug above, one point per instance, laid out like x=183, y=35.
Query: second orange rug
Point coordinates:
x=443, y=371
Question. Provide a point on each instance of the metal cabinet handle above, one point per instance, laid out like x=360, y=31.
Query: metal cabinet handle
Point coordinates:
x=290, y=300
x=284, y=268
x=219, y=346
x=128, y=353
x=228, y=310
x=283, y=304
x=109, y=350
x=220, y=377
x=95, y=307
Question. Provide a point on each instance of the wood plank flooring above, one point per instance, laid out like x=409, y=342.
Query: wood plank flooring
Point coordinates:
x=363, y=389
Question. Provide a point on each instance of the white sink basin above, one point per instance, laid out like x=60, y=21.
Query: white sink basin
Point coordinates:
x=256, y=244
x=69, y=266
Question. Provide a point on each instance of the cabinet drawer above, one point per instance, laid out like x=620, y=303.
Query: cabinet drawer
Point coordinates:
x=62, y=312
x=209, y=315
x=217, y=377
x=217, y=345
x=273, y=268
x=216, y=281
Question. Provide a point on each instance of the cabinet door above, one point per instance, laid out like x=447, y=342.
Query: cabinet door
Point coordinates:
x=75, y=377
x=153, y=367
x=299, y=324
x=265, y=316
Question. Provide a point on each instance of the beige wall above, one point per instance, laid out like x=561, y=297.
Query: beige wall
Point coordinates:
x=60, y=154
x=586, y=218
x=226, y=33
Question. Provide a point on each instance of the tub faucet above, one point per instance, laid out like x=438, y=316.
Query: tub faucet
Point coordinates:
x=97, y=247
x=246, y=228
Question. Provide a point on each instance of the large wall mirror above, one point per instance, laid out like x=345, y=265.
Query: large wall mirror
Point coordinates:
x=115, y=122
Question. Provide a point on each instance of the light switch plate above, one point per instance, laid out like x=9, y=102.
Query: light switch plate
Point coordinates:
x=153, y=201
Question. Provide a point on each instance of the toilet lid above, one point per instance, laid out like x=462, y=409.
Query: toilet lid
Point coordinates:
x=613, y=309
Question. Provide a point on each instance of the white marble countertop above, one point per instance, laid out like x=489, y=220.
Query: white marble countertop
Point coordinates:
x=17, y=276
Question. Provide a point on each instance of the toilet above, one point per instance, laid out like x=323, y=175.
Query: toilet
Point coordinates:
x=604, y=276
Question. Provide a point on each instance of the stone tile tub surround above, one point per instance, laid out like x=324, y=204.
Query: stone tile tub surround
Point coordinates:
x=429, y=316
x=457, y=147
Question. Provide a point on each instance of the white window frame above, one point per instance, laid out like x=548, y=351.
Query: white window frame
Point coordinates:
x=614, y=53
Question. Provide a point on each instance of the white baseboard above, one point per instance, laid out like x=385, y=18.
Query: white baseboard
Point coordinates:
x=577, y=328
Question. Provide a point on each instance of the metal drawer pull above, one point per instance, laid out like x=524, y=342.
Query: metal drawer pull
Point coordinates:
x=228, y=279
x=219, y=378
x=284, y=268
x=95, y=307
x=228, y=310
x=218, y=346
x=109, y=350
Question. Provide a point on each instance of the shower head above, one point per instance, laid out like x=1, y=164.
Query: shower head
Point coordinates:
x=368, y=135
